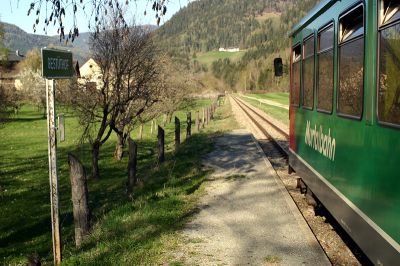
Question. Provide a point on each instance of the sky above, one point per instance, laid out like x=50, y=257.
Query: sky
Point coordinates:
x=15, y=12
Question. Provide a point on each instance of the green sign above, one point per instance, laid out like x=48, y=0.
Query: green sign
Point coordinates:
x=56, y=64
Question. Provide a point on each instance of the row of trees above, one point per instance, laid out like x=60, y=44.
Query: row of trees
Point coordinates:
x=137, y=84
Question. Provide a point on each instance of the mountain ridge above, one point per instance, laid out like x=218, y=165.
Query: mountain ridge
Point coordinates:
x=17, y=39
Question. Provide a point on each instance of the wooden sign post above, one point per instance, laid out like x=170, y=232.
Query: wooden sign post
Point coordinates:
x=56, y=64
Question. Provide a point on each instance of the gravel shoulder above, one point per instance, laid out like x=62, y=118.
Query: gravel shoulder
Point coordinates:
x=334, y=246
x=246, y=217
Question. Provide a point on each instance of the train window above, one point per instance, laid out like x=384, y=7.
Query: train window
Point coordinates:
x=295, y=89
x=389, y=11
x=325, y=38
x=389, y=64
x=352, y=24
x=308, y=73
x=325, y=69
x=351, y=62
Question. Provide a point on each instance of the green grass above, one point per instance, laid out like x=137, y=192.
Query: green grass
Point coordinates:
x=125, y=231
x=209, y=57
x=274, y=111
x=279, y=97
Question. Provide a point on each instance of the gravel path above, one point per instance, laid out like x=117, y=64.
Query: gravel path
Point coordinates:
x=247, y=217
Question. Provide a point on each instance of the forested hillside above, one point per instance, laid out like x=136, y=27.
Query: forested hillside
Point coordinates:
x=260, y=27
x=206, y=25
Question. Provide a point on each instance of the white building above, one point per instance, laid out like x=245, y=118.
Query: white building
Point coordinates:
x=91, y=73
x=230, y=50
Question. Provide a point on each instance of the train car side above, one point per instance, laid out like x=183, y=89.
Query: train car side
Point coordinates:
x=341, y=148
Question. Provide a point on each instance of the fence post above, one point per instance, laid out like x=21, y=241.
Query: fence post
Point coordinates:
x=189, y=125
x=177, y=132
x=132, y=164
x=80, y=200
x=203, y=118
x=160, y=137
x=141, y=132
x=197, y=121
x=208, y=116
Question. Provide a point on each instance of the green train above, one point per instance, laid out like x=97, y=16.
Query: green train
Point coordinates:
x=345, y=118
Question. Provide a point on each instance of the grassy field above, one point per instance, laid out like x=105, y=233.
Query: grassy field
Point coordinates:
x=125, y=230
x=279, y=97
x=209, y=57
x=276, y=112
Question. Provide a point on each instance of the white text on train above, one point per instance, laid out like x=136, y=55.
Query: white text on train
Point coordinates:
x=324, y=144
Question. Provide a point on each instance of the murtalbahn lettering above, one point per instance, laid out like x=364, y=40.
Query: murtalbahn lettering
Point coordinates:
x=324, y=144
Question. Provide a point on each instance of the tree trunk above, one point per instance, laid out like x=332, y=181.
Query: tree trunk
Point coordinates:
x=119, y=148
x=80, y=200
x=95, y=160
x=132, y=163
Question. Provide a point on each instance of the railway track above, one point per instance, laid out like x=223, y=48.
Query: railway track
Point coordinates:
x=278, y=136
x=338, y=246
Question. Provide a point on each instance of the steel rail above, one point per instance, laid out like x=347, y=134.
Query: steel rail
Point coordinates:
x=279, y=146
x=265, y=119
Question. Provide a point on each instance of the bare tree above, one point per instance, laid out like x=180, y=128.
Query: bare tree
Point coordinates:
x=176, y=85
x=127, y=60
x=95, y=10
x=137, y=68
x=164, y=96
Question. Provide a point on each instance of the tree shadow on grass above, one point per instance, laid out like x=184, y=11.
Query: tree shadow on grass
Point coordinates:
x=27, y=228
x=158, y=207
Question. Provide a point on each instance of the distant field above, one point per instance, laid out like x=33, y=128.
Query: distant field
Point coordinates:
x=279, y=97
x=209, y=57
